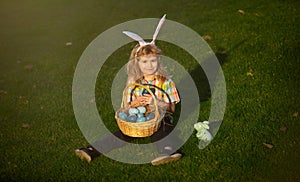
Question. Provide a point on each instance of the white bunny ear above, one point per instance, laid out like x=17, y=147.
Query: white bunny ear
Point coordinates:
x=161, y=22
x=135, y=37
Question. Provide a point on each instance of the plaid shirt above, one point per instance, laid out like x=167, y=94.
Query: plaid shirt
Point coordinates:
x=168, y=90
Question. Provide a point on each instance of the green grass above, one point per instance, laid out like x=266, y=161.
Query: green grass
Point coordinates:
x=264, y=41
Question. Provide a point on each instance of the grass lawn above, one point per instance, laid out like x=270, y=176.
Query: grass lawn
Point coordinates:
x=39, y=131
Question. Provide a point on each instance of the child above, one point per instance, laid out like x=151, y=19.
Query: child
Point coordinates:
x=144, y=67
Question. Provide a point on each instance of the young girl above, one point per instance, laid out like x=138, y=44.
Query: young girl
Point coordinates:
x=144, y=67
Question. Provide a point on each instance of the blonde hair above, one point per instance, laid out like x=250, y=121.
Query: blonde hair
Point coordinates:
x=133, y=70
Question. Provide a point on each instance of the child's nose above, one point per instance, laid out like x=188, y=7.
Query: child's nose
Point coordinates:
x=149, y=64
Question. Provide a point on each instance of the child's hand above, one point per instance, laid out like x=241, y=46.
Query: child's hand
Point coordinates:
x=145, y=99
x=142, y=100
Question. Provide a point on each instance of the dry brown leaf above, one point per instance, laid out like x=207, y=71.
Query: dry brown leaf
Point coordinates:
x=207, y=37
x=25, y=101
x=249, y=73
x=269, y=146
x=28, y=67
x=296, y=114
x=283, y=128
x=25, y=126
x=3, y=92
x=241, y=11
x=222, y=53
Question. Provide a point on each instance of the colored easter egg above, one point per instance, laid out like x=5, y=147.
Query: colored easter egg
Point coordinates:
x=150, y=116
x=139, y=115
x=133, y=111
x=142, y=109
x=141, y=119
x=132, y=118
x=122, y=115
x=145, y=91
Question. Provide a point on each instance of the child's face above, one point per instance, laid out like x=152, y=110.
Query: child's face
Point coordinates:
x=148, y=64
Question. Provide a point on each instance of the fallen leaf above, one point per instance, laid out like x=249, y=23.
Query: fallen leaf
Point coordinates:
x=249, y=73
x=25, y=126
x=296, y=114
x=222, y=52
x=3, y=92
x=28, y=67
x=270, y=146
x=68, y=43
x=25, y=101
x=283, y=128
x=207, y=37
x=241, y=11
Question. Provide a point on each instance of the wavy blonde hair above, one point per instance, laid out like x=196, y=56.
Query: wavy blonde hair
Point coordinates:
x=133, y=70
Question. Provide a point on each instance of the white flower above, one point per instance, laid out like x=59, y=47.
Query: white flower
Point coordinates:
x=202, y=131
x=201, y=125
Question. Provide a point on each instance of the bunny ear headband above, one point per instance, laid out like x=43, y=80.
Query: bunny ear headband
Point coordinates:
x=141, y=41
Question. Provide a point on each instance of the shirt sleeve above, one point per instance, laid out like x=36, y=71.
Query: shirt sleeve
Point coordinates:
x=171, y=90
x=127, y=95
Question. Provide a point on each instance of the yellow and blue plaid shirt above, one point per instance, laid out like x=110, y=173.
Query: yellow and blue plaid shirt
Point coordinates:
x=165, y=91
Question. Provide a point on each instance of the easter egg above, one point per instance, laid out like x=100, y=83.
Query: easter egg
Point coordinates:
x=132, y=118
x=150, y=116
x=133, y=111
x=141, y=119
x=141, y=109
x=122, y=115
x=139, y=115
x=145, y=91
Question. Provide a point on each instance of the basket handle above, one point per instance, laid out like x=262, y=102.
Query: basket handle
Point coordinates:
x=160, y=89
x=143, y=86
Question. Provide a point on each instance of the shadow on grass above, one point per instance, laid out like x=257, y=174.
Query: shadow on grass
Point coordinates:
x=203, y=85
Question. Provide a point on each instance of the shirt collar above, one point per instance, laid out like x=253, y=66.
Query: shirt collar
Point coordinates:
x=143, y=81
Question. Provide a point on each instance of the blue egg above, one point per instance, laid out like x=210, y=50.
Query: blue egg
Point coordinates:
x=122, y=115
x=150, y=116
x=132, y=118
x=142, y=109
x=139, y=115
x=133, y=111
x=141, y=119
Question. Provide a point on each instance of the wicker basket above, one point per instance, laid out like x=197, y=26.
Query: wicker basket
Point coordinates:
x=140, y=129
